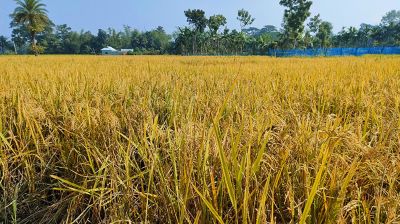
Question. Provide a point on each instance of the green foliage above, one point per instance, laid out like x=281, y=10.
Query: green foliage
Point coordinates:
x=197, y=18
x=189, y=41
x=36, y=49
x=244, y=18
x=32, y=15
x=295, y=14
x=324, y=34
x=314, y=23
x=6, y=46
x=215, y=22
x=391, y=18
x=368, y=36
x=322, y=31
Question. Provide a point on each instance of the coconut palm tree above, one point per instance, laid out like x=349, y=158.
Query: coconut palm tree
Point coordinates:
x=33, y=16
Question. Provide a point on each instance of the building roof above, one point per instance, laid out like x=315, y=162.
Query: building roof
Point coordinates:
x=108, y=48
x=126, y=50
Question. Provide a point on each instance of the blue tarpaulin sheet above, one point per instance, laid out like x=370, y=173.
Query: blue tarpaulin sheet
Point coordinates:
x=334, y=51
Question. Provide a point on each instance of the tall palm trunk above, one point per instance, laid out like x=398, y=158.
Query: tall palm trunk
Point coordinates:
x=33, y=43
x=193, y=44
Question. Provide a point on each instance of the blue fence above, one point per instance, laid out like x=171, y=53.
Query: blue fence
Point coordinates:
x=334, y=51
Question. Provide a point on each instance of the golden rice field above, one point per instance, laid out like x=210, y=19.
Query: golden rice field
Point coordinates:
x=165, y=139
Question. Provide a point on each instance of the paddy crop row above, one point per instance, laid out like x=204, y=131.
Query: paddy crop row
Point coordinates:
x=90, y=139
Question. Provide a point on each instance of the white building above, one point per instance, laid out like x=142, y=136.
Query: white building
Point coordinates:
x=109, y=51
x=126, y=51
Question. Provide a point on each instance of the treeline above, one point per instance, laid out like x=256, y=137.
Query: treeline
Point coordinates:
x=202, y=36
x=61, y=39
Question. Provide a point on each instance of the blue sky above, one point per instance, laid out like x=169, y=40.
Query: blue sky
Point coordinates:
x=147, y=14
